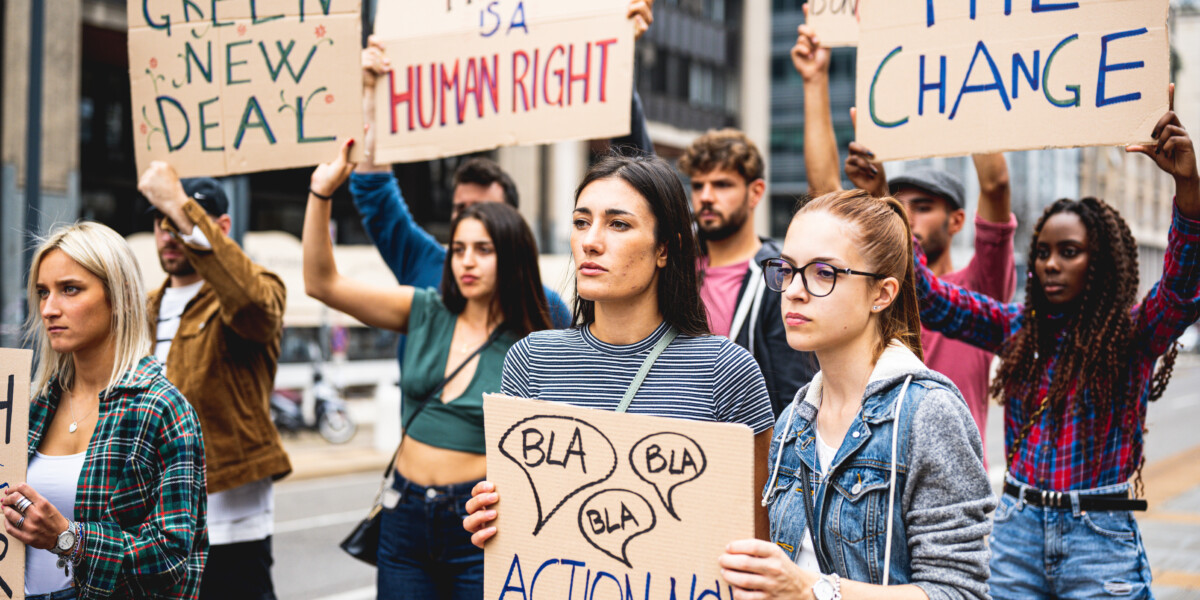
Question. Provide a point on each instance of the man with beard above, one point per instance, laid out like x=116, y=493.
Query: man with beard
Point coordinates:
x=934, y=200
x=218, y=321
x=726, y=171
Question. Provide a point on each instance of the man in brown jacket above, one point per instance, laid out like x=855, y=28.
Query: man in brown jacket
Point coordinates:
x=218, y=321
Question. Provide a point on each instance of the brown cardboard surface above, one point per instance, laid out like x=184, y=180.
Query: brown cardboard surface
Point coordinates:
x=469, y=77
x=14, y=429
x=889, y=90
x=835, y=21
x=241, y=85
x=617, y=505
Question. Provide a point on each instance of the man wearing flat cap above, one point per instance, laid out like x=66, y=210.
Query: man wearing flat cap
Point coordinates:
x=218, y=320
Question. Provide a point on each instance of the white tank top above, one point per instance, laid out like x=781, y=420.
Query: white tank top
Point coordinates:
x=56, y=478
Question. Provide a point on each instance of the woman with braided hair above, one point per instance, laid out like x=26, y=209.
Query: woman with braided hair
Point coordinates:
x=1078, y=366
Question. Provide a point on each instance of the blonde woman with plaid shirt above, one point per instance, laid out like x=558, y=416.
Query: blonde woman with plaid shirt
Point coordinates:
x=114, y=501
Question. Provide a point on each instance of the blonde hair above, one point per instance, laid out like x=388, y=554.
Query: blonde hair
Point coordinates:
x=885, y=241
x=105, y=254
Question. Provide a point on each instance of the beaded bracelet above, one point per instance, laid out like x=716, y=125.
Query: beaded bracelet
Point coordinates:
x=77, y=552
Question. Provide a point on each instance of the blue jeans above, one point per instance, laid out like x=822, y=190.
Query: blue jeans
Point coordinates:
x=65, y=594
x=424, y=552
x=1067, y=553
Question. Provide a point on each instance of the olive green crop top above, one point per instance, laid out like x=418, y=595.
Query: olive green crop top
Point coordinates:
x=457, y=424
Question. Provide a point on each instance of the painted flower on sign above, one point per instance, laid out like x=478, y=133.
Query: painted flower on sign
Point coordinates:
x=320, y=31
x=144, y=129
x=153, y=63
x=242, y=29
x=328, y=98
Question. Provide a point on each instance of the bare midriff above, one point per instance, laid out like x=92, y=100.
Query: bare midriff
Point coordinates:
x=427, y=465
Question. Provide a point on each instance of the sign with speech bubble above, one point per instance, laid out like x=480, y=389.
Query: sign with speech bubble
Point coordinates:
x=14, y=432
x=618, y=505
x=835, y=21
x=470, y=76
x=948, y=78
x=244, y=85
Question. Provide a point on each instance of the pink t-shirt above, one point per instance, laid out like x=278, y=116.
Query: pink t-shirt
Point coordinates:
x=719, y=292
x=990, y=272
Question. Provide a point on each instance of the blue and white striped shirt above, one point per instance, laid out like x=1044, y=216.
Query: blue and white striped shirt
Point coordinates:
x=705, y=378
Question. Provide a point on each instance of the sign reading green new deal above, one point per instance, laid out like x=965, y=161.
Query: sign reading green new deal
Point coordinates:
x=234, y=86
x=952, y=77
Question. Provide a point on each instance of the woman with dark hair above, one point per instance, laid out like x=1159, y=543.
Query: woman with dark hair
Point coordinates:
x=1077, y=370
x=636, y=288
x=491, y=296
x=877, y=470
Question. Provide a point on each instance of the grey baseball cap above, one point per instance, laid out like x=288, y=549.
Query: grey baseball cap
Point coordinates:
x=933, y=181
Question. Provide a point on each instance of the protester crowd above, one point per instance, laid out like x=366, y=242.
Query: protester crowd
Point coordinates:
x=855, y=351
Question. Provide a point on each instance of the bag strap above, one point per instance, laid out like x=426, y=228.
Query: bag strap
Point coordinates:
x=658, y=349
x=806, y=490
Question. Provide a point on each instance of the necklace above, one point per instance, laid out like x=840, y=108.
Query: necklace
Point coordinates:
x=75, y=420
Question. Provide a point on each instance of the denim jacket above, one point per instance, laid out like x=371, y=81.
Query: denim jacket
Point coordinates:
x=942, y=499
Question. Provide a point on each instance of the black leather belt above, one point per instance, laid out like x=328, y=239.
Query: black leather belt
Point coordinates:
x=1048, y=499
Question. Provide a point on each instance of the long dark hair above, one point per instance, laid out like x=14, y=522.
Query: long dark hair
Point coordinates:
x=678, y=284
x=519, y=298
x=1099, y=332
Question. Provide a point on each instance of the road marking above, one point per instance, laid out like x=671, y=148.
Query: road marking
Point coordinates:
x=1179, y=579
x=365, y=593
x=1167, y=478
x=325, y=520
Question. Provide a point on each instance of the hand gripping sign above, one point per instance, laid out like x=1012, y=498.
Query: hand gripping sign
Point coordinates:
x=613, y=504
x=954, y=77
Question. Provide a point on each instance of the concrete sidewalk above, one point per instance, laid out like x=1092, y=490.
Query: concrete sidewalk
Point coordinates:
x=313, y=457
x=1171, y=528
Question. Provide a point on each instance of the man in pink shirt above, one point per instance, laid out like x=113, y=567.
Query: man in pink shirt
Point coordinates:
x=934, y=200
x=726, y=172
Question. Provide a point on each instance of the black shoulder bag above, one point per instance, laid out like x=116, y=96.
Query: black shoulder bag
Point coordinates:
x=363, y=541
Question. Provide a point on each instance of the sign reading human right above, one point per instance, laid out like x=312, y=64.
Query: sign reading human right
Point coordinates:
x=954, y=77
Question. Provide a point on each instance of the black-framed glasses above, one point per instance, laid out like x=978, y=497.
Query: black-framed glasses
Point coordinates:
x=818, y=278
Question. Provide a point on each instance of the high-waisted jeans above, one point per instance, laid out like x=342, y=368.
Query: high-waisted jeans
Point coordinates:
x=424, y=552
x=1067, y=553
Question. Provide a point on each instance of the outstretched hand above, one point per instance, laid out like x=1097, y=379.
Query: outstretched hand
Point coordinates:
x=808, y=56
x=642, y=14
x=330, y=176
x=1175, y=154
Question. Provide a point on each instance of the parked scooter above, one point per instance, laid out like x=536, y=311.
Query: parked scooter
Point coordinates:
x=329, y=416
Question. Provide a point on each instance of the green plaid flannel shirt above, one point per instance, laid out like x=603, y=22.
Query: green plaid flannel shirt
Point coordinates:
x=141, y=501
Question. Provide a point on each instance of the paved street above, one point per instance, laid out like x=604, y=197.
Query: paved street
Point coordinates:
x=318, y=509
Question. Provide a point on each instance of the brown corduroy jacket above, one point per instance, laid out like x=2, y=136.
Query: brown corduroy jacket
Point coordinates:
x=225, y=355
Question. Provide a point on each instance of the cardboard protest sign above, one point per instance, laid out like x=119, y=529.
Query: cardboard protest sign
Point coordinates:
x=612, y=504
x=474, y=76
x=14, y=429
x=942, y=78
x=244, y=85
x=835, y=21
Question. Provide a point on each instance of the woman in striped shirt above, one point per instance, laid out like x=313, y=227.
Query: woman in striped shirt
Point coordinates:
x=635, y=256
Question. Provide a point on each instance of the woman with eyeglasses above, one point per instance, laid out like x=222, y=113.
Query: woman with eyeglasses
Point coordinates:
x=636, y=287
x=876, y=469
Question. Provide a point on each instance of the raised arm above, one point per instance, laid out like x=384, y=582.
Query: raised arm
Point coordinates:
x=820, y=142
x=1173, y=304
x=252, y=298
x=384, y=307
x=995, y=195
x=413, y=255
x=957, y=312
x=641, y=15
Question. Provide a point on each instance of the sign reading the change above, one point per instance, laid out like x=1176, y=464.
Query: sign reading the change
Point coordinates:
x=469, y=76
x=835, y=21
x=943, y=77
x=243, y=85
x=613, y=505
x=14, y=429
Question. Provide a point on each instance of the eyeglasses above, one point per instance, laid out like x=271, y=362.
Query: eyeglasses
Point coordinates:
x=818, y=277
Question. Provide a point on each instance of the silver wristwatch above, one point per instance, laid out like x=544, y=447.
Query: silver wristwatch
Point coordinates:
x=66, y=540
x=828, y=587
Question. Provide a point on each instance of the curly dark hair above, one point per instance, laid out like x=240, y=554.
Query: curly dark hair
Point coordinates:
x=1099, y=334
